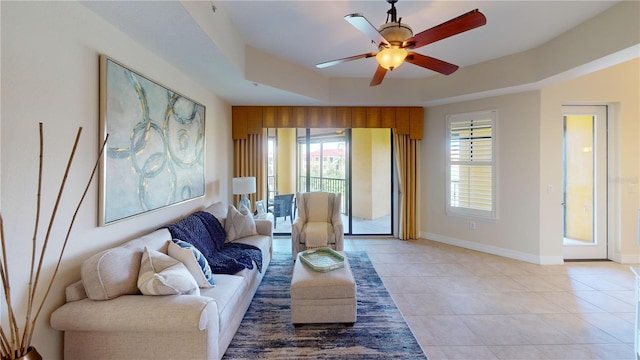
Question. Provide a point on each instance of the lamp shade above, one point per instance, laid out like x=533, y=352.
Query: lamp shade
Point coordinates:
x=244, y=185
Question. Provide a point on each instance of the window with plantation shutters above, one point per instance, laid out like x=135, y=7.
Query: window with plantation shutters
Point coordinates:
x=470, y=162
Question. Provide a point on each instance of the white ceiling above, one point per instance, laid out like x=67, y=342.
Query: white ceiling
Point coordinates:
x=305, y=33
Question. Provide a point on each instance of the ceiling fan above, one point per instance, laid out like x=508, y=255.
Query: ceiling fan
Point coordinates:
x=394, y=37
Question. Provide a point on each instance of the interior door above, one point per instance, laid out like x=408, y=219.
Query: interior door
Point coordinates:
x=585, y=182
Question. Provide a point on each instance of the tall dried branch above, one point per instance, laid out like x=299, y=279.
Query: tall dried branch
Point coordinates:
x=35, y=230
x=66, y=239
x=14, y=344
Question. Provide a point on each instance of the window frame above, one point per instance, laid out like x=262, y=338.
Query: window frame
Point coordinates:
x=465, y=211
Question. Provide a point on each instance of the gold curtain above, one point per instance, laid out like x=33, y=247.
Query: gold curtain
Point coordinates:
x=249, y=160
x=407, y=156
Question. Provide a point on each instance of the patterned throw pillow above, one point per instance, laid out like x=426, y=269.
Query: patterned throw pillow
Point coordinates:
x=238, y=225
x=160, y=274
x=193, y=259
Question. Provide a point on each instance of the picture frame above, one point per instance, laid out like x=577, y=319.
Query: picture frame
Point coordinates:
x=260, y=208
x=155, y=152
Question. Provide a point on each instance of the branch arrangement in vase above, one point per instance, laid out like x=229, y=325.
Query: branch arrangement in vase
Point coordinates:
x=14, y=341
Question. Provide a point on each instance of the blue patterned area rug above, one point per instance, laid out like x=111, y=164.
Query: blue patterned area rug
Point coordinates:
x=266, y=332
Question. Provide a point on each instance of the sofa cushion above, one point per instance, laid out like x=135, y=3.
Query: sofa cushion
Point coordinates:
x=75, y=292
x=114, y=272
x=239, y=225
x=261, y=242
x=227, y=294
x=160, y=274
x=193, y=259
x=317, y=234
x=219, y=210
x=111, y=273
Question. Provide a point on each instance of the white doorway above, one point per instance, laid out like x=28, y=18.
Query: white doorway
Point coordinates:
x=584, y=182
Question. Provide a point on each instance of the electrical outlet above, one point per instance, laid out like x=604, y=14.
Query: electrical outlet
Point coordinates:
x=472, y=225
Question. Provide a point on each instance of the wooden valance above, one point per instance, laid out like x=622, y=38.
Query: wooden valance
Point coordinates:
x=252, y=119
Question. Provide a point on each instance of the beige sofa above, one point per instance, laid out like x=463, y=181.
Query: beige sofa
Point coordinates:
x=129, y=325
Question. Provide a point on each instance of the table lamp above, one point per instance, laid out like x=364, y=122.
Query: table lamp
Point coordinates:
x=243, y=186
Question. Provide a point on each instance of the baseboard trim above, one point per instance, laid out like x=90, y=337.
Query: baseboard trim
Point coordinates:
x=511, y=254
x=627, y=258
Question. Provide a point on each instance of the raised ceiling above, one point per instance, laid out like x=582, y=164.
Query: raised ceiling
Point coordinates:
x=225, y=44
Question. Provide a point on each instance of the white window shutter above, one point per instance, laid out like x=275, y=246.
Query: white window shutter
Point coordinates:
x=470, y=164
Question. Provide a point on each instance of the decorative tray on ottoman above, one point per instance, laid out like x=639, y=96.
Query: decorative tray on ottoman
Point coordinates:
x=322, y=259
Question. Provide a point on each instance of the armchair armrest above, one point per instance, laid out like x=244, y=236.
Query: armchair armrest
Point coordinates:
x=338, y=230
x=296, y=227
x=139, y=313
x=296, y=230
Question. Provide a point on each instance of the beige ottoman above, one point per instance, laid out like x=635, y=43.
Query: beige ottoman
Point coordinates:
x=322, y=297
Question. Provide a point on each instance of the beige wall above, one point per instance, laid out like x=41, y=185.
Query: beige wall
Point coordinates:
x=617, y=86
x=529, y=148
x=50, y=54
x=286, y=173
x=515, y=232
x=381, y=174
x=361, y=168
x=371, y=168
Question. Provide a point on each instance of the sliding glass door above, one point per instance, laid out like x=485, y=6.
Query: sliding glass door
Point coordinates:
x=355, y=163
x=323, y=164
x=371, y=197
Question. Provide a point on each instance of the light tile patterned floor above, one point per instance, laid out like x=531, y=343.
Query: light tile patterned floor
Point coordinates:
x=381, y=225
x=464, y=304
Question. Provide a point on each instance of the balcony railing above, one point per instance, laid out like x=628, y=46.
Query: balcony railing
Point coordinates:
x=317, y=183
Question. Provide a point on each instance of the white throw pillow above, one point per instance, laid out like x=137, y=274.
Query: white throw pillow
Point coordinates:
x=217, y=209
x=160, y=274
x=238, y=225
x=193, y=259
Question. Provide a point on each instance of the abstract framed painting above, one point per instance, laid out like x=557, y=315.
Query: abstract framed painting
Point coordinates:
x=154, y=155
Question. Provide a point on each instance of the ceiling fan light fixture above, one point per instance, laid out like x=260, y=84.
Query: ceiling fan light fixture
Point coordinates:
x=393, y=37
x=391, y=57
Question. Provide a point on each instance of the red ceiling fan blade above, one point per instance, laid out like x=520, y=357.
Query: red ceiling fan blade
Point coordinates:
x=378, y=76
x=361, y=23
x=462, y=23
x=340, y=61
x=430, y=63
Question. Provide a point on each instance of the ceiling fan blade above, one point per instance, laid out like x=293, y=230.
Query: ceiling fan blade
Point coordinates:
x=378, y=76
x=361, y=23
x=350, y=58
x=430, y=63
x=462, y=23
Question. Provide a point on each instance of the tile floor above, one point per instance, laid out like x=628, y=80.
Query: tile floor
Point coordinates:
x=464, y=304
x=381, y=225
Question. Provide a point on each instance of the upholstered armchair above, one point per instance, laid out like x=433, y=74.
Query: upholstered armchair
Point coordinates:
x=319, y=222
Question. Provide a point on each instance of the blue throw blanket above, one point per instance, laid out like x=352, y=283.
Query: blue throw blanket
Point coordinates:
x=202, y=230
